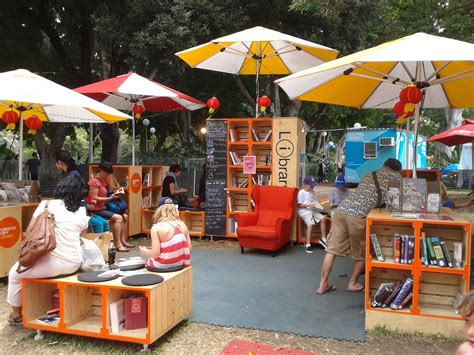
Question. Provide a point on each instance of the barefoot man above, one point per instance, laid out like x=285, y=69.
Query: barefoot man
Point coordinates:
x=347, y=235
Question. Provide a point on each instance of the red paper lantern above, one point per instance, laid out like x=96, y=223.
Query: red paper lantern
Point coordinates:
x=399, y=108
x=138, y=110
x=10, y=118
x=213, y=104
x=411, y=94
x=264, y=102
x=33, y=124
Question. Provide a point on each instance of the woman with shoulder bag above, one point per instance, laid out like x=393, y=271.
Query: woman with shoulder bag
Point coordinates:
x=98, y=186
x=70, y=221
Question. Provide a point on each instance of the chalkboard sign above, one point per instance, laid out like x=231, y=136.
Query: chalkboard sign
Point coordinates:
x=216, y=177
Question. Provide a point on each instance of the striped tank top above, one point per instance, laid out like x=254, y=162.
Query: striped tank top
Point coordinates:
x=174, y=252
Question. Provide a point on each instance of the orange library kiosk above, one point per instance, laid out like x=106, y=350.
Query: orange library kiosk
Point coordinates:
x=434, y=289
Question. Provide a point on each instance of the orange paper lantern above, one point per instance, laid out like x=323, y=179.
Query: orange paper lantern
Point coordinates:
x=10, y=118
x=33, y=124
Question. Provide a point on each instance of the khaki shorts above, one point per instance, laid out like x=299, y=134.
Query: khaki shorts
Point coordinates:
x=311, y=217
x=347, y=236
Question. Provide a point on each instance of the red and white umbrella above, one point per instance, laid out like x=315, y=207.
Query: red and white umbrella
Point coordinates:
x=124, y=91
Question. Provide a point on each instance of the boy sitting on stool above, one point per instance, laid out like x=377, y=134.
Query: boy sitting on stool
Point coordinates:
x=309, y=210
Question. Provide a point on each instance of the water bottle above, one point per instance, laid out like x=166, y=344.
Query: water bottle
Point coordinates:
x=111, y=252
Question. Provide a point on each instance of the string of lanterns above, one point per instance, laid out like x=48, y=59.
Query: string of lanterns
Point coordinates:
x=409, y=97
x=11, y=118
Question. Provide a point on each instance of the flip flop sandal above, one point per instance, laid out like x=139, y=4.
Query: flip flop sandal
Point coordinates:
x=122, y=249
x=128, y=245
x=360, y=290
x=14, y=321
x=329, y=289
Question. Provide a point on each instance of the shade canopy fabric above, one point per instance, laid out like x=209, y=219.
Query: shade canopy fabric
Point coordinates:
x=123, y=91
x=32, y=94
x=455, y=136
x=259, y=50
x=374, y=77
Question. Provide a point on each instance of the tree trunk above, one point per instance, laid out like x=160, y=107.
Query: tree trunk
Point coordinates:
x=245, y=93
x=294, y=108
x=276, y=100
x=110, y=136
x=452, y=118
x=143, y=140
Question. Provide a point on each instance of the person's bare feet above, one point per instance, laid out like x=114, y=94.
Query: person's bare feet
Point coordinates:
x=355, y=288
x=323, y=290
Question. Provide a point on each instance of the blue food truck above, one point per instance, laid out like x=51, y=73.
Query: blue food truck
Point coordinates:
x=366, y=150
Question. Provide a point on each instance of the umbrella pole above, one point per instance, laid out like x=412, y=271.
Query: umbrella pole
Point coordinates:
x=20, y=150
x=415, y=138
x=257, y=87
x=133, y=140
x=407, y=145
x=91, y=143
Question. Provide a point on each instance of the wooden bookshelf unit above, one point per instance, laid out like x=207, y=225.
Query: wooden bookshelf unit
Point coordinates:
x=194, y=220
x=152, y=178
x=434, y=287
x=84, y=307
x=246, y=136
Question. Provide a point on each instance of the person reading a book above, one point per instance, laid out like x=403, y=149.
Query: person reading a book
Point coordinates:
x=170, y=185
x=98, y=186
x=70, y=221
x=466, y=310
x=170, y=241
x=309, y=209
x=66, y=165
x=452, y=204
x=347, y=235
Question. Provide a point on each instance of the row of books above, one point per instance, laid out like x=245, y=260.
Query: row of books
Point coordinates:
x=242, y=185
x=262, y=179
x=433, y=251
x=148, y=201
x=234, y=136
x=235, y=158
x=395, y=295
x=146, y=180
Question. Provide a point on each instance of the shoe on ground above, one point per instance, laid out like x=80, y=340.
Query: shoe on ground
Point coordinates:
x=308, y=248
x=323, y=242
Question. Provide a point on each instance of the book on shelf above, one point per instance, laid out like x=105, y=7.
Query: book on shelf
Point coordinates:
x=268, y=159
x=433, y=202
x=135, y=312
x=396, y=248
x=413, y=195
x=255, y=135
x=411, y=249
x=232, y=224
x=395, y=289
x=431, y=253
x=457, y=255
x=402, y=294
x=117, y=315
x=402, y=249
x=446, y=253
x=230, y=205
x=233, y=135
x=383, y=292
x=146, y=179
x=440, y=260
x=406, y=301
x=244, y=184
x=267, y=136
x=424, y=250
x=376, y=246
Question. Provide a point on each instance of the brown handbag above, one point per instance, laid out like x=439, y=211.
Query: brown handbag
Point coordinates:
x=40, y=240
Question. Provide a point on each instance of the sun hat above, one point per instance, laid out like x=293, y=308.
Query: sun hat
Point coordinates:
x=340, y=181
x=164, y=201
x=309, y=180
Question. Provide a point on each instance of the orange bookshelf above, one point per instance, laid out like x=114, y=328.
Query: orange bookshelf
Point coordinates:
x=434, y=288
x=246, y=136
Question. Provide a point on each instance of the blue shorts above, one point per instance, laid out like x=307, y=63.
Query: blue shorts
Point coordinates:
x=99, y=224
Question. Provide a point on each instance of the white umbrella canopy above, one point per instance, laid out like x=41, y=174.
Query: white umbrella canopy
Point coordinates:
x=30, y=94
x=373, y=78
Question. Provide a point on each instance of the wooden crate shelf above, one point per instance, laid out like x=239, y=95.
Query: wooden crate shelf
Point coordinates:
x=434, y=288
x=194, y=220
x=84, y=307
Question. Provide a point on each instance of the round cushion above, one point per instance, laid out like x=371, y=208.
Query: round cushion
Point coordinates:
x=170, y=269
x=142, y=280
x=92, y=277
x=132, y=267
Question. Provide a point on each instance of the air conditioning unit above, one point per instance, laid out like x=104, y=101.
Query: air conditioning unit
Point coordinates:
x=370, y=150
x=387, y=142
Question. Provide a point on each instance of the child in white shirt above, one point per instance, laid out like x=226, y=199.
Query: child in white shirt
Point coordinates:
x=309, y=209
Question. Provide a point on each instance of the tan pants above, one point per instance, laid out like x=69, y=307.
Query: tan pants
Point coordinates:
x=47, y=266
x=347, y=236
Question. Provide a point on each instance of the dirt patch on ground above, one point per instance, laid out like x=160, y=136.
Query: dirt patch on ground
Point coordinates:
x=197, y=338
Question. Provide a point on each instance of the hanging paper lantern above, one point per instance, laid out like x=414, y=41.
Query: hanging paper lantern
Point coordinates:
x=411, y=94
x=213, y=104
x=10, y=118
x=399, y=108
x=264, y=102
x=408, y=110
x=138, y=110
x=33, y=123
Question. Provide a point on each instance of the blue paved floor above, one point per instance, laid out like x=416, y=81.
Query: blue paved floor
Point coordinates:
x=254, y=290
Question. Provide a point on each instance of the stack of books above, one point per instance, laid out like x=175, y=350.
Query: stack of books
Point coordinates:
x=403, y=248
x=233, y=135
x=395, y=295
x=435, y=252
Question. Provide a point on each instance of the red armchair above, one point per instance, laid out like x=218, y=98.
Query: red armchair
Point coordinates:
x=269, y=227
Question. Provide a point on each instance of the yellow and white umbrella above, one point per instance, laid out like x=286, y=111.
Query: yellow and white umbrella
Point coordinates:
x=29, y=94
x=373, y=78
x=257, y=51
